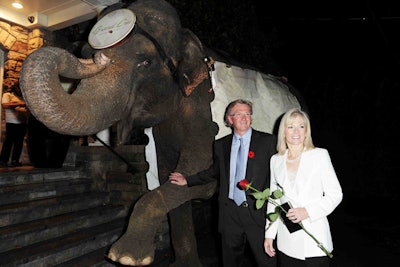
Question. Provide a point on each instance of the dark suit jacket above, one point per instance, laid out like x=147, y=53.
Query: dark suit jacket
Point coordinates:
x=257, y=171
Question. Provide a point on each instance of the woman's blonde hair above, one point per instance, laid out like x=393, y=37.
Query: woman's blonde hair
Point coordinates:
x=287, y=119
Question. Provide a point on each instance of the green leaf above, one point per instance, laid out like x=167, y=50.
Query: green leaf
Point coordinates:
x=266, y=193
x=273, y=216
x=259, y=203
x=277, y=193
x=258, y=195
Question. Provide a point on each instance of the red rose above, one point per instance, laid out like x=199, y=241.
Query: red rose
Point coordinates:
x=251, y=154
x=244, y=184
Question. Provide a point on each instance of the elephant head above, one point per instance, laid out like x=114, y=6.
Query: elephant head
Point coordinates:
x=144, y=80
x=132, y=82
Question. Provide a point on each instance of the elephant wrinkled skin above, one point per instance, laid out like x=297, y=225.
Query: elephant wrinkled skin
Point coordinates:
x=130, y=83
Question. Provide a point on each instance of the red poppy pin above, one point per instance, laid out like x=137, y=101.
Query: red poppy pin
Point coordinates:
x=251, y=154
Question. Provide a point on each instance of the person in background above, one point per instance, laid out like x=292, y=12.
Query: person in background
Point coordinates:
x=16, y=115
x=308, y=180
x=243, y=154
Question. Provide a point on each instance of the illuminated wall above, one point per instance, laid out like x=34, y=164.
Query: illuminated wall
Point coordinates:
x=16, y=43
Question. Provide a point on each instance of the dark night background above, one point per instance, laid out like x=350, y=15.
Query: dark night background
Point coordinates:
x=343, y=56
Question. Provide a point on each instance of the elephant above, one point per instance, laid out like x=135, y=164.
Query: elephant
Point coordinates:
x=157, y=76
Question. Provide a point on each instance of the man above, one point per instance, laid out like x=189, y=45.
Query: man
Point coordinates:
x=239, y=220
x=16, y=118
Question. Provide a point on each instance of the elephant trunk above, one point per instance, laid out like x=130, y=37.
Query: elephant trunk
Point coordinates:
x=86, y=110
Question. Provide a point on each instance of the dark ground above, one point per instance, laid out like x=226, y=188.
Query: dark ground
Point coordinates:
x=360, y=240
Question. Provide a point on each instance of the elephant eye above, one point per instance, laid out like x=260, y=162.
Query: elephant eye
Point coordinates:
x=144, y=63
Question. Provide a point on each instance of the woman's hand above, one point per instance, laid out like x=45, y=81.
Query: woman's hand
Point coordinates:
x=177, y=178
x=296, y=215
x=268, y=247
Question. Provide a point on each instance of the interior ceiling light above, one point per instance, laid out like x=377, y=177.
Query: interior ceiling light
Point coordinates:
x=17, y=4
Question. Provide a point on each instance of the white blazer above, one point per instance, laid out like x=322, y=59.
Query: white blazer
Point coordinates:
x=317, y=189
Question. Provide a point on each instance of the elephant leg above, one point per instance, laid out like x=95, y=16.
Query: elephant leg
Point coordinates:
x=136, y=246
x=183, y=237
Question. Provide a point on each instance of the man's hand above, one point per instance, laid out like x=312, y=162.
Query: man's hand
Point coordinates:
x=177, y=178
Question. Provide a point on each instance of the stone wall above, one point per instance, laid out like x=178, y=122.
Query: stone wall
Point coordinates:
x=18, y=42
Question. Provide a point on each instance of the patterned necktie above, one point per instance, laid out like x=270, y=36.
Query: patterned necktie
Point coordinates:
x=239, y=195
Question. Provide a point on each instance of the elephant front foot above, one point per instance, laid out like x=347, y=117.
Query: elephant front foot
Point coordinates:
x=132, y=252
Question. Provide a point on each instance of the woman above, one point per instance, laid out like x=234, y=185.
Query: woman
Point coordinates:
x=16, y=117
x=306, y=175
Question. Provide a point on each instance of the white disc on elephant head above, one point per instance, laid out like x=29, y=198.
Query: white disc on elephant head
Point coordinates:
x=112, y=28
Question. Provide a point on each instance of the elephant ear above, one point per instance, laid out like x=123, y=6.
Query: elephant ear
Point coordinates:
x=193, y=69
